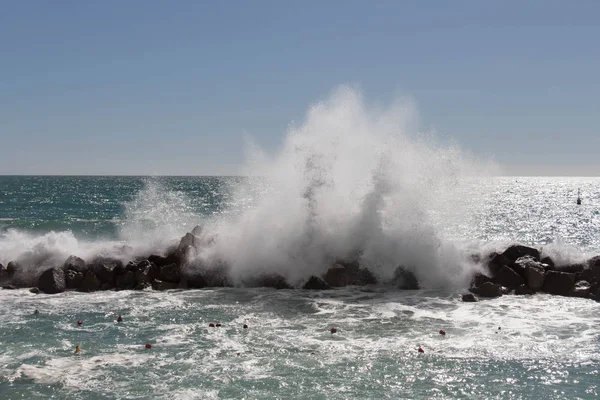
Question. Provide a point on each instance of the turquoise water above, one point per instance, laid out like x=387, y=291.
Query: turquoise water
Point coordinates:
x=547, y=346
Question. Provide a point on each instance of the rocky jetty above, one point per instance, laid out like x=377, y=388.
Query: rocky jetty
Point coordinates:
x=519, y=270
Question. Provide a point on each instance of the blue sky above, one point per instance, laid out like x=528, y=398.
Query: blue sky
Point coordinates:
x=160, y=87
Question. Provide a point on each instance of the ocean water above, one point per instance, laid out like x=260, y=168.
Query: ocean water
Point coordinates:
x=511, y=347
x=350, y=181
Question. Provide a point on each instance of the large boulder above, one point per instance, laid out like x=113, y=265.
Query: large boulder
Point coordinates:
x=75, y=264
x=496, y=262
x=344, y=274
x=170, y=273
x=479, y=279
x=189, y=241
x=509, y=278
x=104, y=269
x=316, y=283
x=576, y=268
x=559, y=283
x=534, y=275
x=517, y=251
x=52, y=281
x=405, y=280
x=145, y=271
x=581, y=289
x=73, y=278
x=3, y=275
x=195, y=279
x=524, y=290
x=89, y=283
x=12, y=268
x=274, y=281
x=548, y=261
x=488, y=289
x=171, y=258
x=468, y=298
x=125, y=281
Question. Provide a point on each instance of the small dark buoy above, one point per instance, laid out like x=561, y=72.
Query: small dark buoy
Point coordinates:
x=245, y=326
x=442, y=332
x=218, y=325
x=499, y=328
x=211, y=325
x=421, y=350
x=333, y=330
x=120, y=319
x=148, y=346
x=79, y=322
x=36, y=312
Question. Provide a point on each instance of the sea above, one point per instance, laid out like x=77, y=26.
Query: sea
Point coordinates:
x=511, y=347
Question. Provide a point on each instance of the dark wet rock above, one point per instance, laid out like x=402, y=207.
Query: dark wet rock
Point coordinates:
x=9, y=287
x=505, y=290
x=216, y=276
x=274, y=281
x=581, y=289
x=170, y=273
x=35, y=290
x=197, y=231
x=524, y=290
x=348, y=273
x=89, y=283
x=488, y=289
x=469, y=298
x=75, y=264
x=125, y=281
x=145, y=271
x=12, y=268
x=571, y=268
x=189, y=240
x=534, y=276
x=3, y=275
x=586, y=275
x=559, y=283
x=405, y=280
x=594, y=268
x=104, y=269
x=548, y=261
x=52, y=281
x=479, y=279
x=73, y=278
x=172, y=258
x=316, y=283
x=508, y=277
x=195, y=279
x=496, y=262
x=162, y=285
x=517, y=251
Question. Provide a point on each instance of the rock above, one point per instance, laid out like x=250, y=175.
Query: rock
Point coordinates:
x=76, y=264
x=172, y=258
x=217, y=276
x=534, y=276
x=195, y=279
x=197, y=231
x=509, y=278
x=9, y=287
x=548, y=261
x=524, y=290
x=517, y=251
x=405, y=279
x=189, y=240
x=316, y=283
x=145, y=271
x=581, y=289
x=169, y=273
x=52, y=281
x=35, y=290
x=497, y=261
x=505, y=290
x=479, y=279
x=89, y=283
x=468, y=298
x=594, y=267
x=3, y=275
x=571, y=268
x=104, y=269
x=125, y=281
x=559, y=283
x=488, y=289
x=586, y=275
x=12, y=268
x=161, y=285
x=274, y=281
x=73, y=278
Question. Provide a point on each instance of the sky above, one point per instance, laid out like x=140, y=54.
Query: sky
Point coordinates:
x=171, y=88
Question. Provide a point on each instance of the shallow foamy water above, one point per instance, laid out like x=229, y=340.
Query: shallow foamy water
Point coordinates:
x=546, y=347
